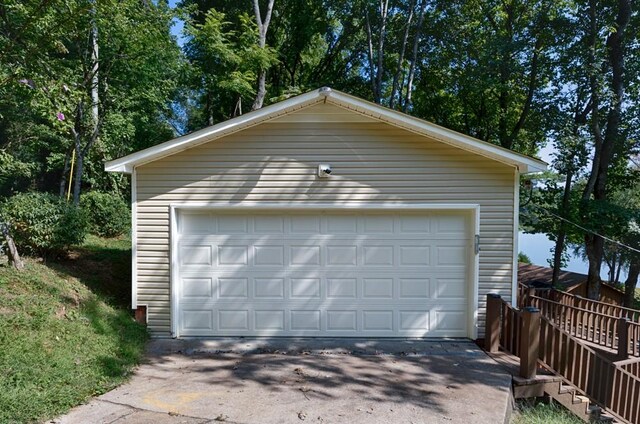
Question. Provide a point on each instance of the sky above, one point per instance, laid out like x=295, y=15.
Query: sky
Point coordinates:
x=536, y=246
x=178, y=25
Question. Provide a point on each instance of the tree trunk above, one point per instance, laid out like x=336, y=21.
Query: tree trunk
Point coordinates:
x=557, y=256
x=262, y=90
x=631, y=282
x=562, y=234
x=396, y=76
x=65, y=171
x=372, y=79
x=604, y=146
x=95, y=98
x=12, y=251
x=77, y=178
x=263, y=27
x=414, y=58
x=384, y=13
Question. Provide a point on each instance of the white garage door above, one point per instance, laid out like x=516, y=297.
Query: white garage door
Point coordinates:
x=324, y=273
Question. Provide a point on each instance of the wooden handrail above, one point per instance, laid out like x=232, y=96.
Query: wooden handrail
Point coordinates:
x=576, y=308
x=615, y=333
x=590, y=304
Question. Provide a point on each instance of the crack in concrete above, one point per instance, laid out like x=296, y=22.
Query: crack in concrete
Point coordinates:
x=135, y=409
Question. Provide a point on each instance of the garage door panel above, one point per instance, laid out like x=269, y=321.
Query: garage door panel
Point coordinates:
x=269, y=319
x=272, y=255
x=197, y=288
x=198, y=320
x=331, y=288
x=373, y=320
x=328, y=274
x=414, y=288
x=342, y=320
x=267, y=253
x=233, y=320
x=269, y=288
x=342, y=288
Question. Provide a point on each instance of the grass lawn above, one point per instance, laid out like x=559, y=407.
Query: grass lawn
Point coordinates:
x=543, y=413
x=66, y=332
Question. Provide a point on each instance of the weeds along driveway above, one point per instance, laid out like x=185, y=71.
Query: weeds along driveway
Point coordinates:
x=317, y=381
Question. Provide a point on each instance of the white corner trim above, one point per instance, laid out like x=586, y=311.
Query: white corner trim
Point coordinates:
x=516, y=228
x=526, y=164
x=134, y=240
x=174, y=272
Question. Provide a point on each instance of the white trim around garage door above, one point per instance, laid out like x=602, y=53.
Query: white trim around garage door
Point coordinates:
x=473, y=209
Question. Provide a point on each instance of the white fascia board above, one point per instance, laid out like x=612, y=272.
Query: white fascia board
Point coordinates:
x=126, y=164
x=524, y=163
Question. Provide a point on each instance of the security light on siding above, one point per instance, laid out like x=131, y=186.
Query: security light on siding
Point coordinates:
x=324, y=170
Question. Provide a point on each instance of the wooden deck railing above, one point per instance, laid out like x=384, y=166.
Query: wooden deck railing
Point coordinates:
x=634, y=339
x=536, y=338
x=610, y=386
x=578, y=301
x=572, y=314
x=511, y=326
x=586, y=325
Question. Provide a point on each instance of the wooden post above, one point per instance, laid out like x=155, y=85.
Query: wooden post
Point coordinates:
x=529, y=342
x=531, y=291
x=492, y=323
x=140, y=314
x=623, y=338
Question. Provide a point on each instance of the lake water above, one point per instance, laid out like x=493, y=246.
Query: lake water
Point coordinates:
x=539, y=249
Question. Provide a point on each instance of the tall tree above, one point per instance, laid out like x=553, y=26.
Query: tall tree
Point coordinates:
x=61, y=88
x=604, y=112
x=263, y=27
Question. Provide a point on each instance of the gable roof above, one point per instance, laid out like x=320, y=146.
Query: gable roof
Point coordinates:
x=524, y=163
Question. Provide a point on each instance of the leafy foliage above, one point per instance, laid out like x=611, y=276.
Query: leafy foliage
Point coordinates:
x=523, y=258
x=109, y=215
x=43, y=224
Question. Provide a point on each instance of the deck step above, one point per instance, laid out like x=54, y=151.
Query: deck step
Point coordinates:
x=564, y=388
x=580, y=399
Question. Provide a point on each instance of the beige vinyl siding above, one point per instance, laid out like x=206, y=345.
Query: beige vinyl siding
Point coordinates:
x=277, y=162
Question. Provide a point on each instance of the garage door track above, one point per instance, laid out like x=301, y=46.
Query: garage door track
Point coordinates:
x=307, y=381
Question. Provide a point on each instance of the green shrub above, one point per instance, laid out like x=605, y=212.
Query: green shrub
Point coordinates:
x=42, y=223
x=523, y=258
x=109, y=215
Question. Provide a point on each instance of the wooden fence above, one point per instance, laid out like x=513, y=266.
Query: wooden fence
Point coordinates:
x=537, y=338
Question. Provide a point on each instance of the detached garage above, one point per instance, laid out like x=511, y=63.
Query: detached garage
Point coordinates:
x=323, y=215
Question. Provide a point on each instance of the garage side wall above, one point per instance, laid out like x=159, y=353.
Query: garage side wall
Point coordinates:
x=277, y=162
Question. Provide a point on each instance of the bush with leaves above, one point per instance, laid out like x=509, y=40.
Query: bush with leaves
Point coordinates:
x=42, y=224
x=109, y=214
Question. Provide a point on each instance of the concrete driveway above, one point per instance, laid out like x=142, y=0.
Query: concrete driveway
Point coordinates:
x=307, y=381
